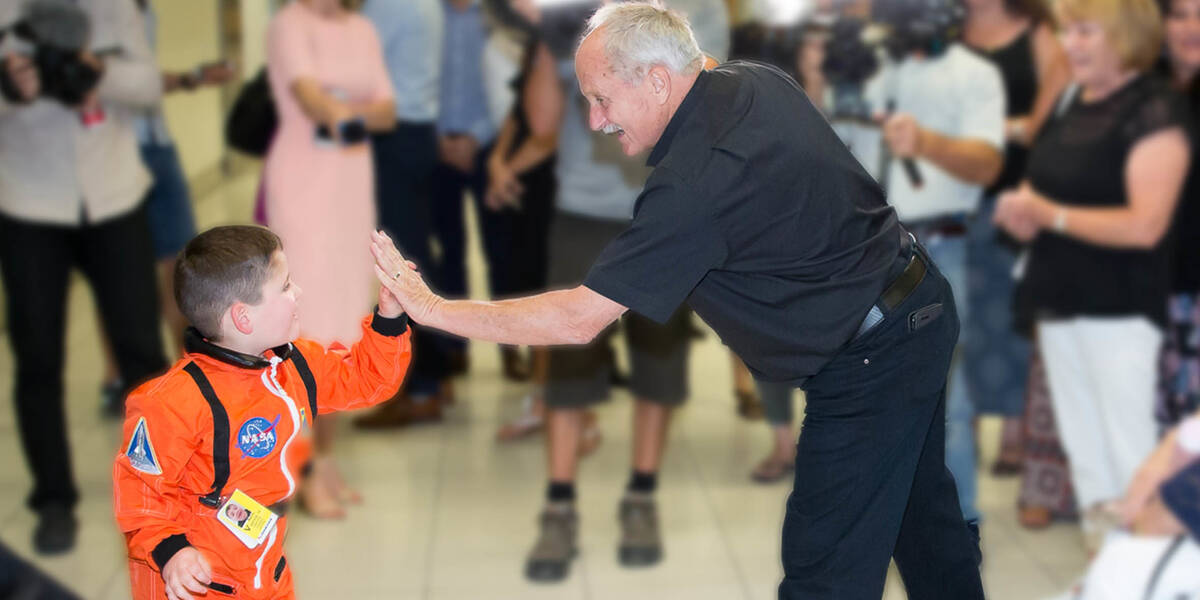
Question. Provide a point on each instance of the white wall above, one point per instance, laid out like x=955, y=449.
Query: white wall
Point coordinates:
x=187, y=36
x=256, y=15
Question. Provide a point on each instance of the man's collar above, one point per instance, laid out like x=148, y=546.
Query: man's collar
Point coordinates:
x=681, y=114
x=194, y=341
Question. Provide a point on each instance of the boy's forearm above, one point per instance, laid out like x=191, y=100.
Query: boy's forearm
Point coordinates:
x=372, y=370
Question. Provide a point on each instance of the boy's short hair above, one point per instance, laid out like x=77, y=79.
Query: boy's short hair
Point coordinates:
x=219, y=267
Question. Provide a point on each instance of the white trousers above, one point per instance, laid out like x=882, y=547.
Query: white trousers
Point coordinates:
x=1129, y=567
x=1103, y=375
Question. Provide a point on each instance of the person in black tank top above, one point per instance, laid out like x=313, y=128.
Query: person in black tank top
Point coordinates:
x=1015, y=36
x=519, y=203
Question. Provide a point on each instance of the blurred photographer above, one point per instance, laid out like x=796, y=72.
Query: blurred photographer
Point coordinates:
x=71, y=195
x=940, y=109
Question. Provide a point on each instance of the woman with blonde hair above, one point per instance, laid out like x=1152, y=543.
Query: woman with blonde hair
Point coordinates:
x=1103, y=179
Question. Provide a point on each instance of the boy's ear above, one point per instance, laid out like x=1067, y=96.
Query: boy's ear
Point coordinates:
x=239, y=313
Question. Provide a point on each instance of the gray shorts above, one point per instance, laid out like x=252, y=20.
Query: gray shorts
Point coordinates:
x=579, y=376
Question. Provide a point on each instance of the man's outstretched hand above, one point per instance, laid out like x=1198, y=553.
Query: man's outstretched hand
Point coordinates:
x=400, y=281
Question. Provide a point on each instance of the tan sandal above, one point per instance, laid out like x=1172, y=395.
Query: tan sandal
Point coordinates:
x=318, y=501
x=530, y=421
x=331, y=475
x=773, y=469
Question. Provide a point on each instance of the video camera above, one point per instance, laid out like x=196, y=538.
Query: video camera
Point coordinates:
x=562, y=22
x=899, y=27
x=57, y=31
x=926, y=26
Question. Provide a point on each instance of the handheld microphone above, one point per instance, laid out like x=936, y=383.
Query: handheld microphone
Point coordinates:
x=910, y=165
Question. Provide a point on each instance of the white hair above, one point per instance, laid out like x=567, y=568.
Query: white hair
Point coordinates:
x=641, y=35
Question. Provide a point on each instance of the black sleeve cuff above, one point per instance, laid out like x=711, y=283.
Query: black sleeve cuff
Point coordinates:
x=389, y=327
x=168, y=548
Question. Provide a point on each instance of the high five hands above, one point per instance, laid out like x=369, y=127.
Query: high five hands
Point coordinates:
x=400, y=282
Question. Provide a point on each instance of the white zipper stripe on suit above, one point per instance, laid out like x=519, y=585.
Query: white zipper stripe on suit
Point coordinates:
x=272, y=384
x=259, y=563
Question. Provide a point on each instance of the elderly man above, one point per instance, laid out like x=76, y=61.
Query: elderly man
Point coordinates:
x=759, y=218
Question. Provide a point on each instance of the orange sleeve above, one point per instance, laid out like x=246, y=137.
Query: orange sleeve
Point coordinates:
x=366, y=374
x=158, y=439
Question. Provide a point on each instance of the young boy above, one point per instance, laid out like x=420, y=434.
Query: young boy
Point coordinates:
x=214, y=449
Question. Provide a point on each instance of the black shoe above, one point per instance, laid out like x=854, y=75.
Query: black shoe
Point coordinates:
x=55, y=531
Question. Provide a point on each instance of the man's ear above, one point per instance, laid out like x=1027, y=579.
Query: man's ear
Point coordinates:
x=239, y=313
x=660, y=83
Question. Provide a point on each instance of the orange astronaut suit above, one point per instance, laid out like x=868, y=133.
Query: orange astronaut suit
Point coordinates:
x=186, y=449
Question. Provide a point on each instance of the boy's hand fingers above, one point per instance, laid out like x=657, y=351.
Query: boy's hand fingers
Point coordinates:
x=192, y=585
x=181, y=592
x=205, y=569
x=199, y=573
x=386, y=280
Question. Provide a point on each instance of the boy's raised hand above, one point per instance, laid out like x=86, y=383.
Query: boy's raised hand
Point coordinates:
x=389, y=305
x=187, y=571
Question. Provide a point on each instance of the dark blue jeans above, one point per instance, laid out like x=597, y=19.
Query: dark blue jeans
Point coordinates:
x=871, y=482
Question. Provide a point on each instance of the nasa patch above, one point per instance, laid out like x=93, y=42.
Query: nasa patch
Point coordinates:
x=257, y=437
x=140, y=450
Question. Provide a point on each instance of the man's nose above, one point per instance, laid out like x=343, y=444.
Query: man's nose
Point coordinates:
x=595, y=118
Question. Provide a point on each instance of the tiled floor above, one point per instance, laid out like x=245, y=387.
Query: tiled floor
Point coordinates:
x=450, y=514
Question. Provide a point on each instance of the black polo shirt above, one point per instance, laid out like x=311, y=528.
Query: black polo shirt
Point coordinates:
x=759, y=217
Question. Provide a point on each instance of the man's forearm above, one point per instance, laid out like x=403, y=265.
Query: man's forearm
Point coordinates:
x=543, y=320
x=969, y=160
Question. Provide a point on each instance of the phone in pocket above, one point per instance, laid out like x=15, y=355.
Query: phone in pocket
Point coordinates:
x=924, y=316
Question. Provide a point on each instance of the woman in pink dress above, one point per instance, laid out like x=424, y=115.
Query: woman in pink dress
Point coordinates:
x=326, y=70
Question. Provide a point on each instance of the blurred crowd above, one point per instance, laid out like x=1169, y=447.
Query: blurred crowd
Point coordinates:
x=1042, y=151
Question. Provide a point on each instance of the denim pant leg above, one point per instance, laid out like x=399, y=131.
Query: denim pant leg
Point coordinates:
x=776, y=400
x=950, y=254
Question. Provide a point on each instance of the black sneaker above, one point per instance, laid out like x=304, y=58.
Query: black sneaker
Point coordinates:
x=551, y=555
x=55, y=531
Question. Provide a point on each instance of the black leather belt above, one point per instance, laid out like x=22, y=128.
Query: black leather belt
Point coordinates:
x=900, y=288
